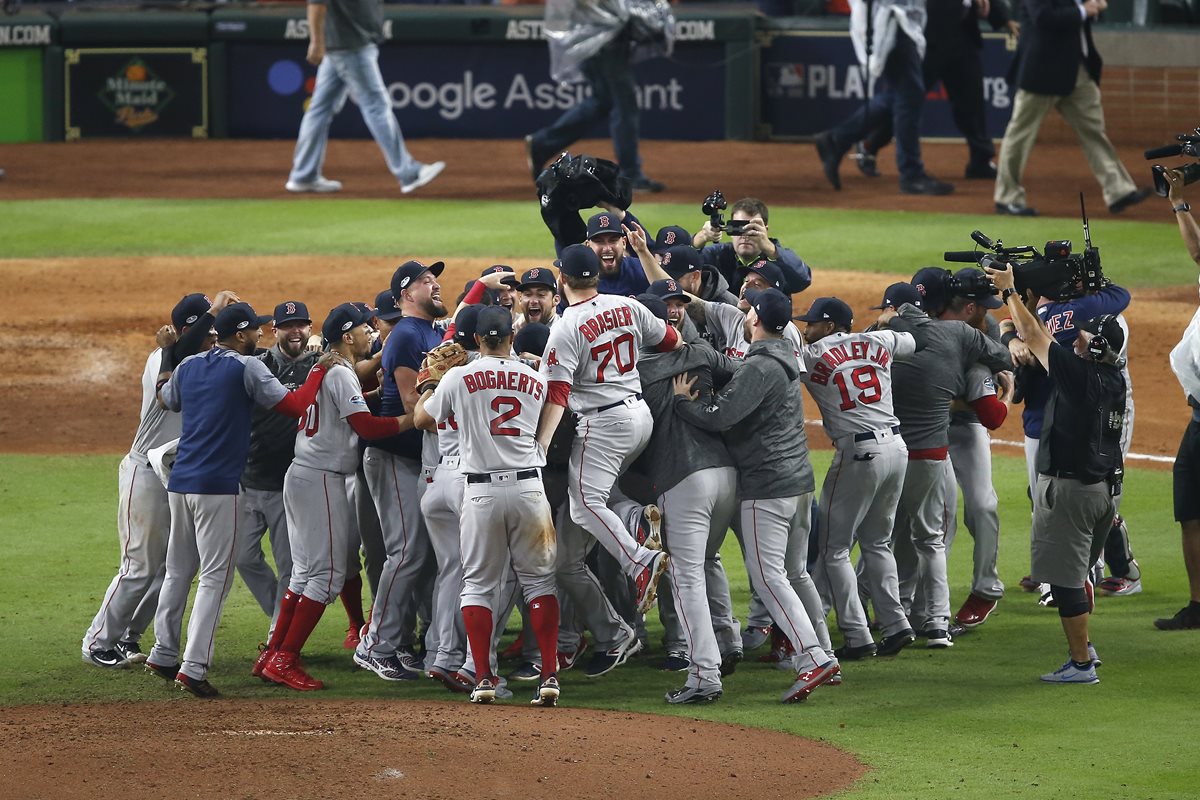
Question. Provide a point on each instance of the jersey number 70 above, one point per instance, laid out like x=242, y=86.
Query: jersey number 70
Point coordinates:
x=611, y=352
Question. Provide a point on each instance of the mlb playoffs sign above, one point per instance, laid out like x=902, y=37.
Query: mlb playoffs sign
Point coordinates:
x=136, y=92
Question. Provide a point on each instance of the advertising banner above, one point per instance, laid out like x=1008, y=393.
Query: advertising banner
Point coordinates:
x=811, y=81
x=141, y=91
x=478, y=92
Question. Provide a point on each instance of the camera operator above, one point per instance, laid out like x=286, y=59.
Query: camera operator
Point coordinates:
x=1185, y=361
x=1059, y=316
x=753, y=244
x=1079, y=466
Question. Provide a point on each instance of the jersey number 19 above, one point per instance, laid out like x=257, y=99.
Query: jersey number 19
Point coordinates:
x=863, y=378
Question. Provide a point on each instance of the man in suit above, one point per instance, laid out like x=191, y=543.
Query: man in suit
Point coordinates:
x=1057, y=66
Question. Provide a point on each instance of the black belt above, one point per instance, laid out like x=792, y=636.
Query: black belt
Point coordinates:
x=869, y=435
x=486, y=477
x=637, y=396
x=1058, y=473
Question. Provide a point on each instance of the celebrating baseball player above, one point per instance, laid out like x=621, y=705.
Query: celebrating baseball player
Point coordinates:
x=315, y=498
x=498, y=402
x=850, y=376
x=760, y=415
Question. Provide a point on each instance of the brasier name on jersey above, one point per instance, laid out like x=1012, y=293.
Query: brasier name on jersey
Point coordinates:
x=609, y=319
x=840, y=354
x=509, y=381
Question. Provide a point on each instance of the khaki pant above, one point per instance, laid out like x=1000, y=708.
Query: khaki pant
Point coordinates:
x=1082, y=111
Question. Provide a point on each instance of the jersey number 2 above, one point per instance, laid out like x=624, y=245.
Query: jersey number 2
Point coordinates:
x=514, y=408
x=863, y=378
x=611, y=352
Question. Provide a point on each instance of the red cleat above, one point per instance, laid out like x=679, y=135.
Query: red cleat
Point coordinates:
x=284, y=668
x=264, y=656
x=974, y=611
x=806, y=682
x=353, y=638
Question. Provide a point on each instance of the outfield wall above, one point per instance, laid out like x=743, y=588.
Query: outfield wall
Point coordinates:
x=482, y=72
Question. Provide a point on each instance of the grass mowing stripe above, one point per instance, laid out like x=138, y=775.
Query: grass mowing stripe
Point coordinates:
x=971, y=722
x=1136, y=254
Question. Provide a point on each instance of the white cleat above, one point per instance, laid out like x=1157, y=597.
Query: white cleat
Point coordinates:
x=318, y=186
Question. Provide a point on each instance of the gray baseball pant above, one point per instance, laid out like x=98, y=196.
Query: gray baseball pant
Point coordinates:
x=203, y=538
x=262, y=511
x=441, y=506
x=971, y=459
x=920, y=545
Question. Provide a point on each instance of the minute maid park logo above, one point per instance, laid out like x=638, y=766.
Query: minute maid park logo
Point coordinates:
x=136, y=95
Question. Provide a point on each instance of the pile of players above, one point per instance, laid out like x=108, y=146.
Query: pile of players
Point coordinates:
x=648, y=401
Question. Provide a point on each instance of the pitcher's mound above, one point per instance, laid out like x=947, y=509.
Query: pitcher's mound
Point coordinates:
x=230, y=749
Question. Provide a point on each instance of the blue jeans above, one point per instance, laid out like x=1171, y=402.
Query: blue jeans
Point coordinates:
x=354, y=74
x=610, y=75
x=901, y=101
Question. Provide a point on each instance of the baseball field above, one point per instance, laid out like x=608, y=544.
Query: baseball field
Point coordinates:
x=97, y=241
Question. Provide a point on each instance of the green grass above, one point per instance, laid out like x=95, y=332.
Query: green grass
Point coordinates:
x=1135, y=254
x=969, y=722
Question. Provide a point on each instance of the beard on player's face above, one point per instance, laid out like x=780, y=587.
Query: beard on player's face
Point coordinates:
x=292, y=338
x=610, y=248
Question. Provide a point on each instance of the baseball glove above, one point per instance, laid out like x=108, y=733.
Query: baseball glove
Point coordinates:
x=437, y=363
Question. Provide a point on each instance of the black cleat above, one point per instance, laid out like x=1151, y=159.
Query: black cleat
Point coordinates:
x=199, y=688
x=855, y=653
x=165, y=671
x=891, y=645
x=108, y=659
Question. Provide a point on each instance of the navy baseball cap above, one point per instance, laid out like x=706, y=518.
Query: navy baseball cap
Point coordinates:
x=829, y=309
x=464, y=326
x=655, y=304
x=578, y=261
x=538, y=276
x=189, y=309
x=604, y=222
x=290, y=311
x=385, y=306
x=493, y=321
x=502, y=268
x=975, y=285
x=934, y=285
x=769, y=272
x=898, y=294
x=344, y=318
x=671, y=236
x=667, y=290
x=773, y=307
x=532, y=338
x=679, y=261
x=238, y=317
x=409, y=271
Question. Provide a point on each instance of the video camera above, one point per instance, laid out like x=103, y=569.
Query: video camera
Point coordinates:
x=1055, y=272
x=577, y=182
x=1189, y=145
x=712, y=207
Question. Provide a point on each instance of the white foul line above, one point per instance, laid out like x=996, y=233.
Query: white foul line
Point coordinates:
x=1004, y=443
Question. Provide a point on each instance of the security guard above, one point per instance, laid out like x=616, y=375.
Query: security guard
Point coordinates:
x=1079, y=466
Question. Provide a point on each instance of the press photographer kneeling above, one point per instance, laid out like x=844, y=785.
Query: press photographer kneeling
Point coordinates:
x=1078, y=463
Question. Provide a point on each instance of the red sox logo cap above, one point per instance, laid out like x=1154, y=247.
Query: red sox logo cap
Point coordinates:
x=670, y=238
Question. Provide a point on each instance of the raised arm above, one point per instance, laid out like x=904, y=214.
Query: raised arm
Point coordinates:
x=1029, y=327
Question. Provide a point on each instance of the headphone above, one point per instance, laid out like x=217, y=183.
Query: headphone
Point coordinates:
x=1098, y=345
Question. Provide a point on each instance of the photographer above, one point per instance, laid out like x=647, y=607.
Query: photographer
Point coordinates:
x=752, y=244
x=1079, y=466
x=1185, y=361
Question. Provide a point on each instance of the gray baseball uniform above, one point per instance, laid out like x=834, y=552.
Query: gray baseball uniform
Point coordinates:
x=924, y=387
x=850, y=377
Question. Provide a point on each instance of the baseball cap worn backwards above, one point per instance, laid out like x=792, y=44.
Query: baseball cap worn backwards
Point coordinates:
x=385, y=306
x=409, y=271
x=493, y=321
x=189, y=309
x=291, y=311
x=975, y=285
x=898, y=294
x=773, y=307
x=464, y=326
x=502, y=268
x=237, y=317
x=679, y=261
x=532, y=338
x=829, y=309
x=604, y=222
x=578, y=261
x=538, y=276
x=654, y=304
x=342, y=319
x=934, y=285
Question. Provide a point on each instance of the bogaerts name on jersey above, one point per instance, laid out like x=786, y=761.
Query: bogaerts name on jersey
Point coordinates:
x=509, y=381
x=620, y=317
x=840, y=354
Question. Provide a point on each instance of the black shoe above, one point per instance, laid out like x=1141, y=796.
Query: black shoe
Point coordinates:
x=985, y=171
x=891, y=645
x=955, y=630
x=109, y=659
x=644, y=184
x=165, y=671
x=866, y=161
x=1187, y=619
x=199, y=688
x=855, y=653
x=688, y=695
x=130, y=650
x=674, y=662
x=1131, y=199
x=937, y=638
x=729, y=662
x=926, y=184
x=1015, y=210
x=831, y=159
